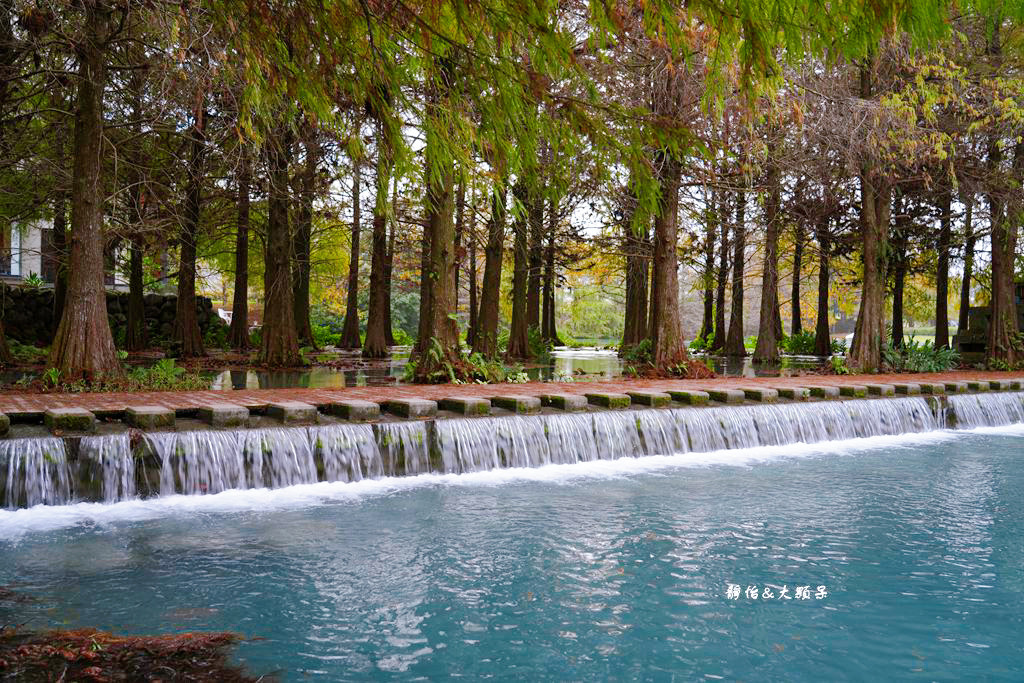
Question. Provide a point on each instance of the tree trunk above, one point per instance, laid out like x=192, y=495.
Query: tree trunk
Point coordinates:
x=474, y=311
x=389, y=265
x=1002, y=329
x=767, y=349
x=536, y=259
x=279, y=344
x=722, y=276
x=83, y=346
x=635, y=247
x=796, y=325
x=60, y=248
x=875, y=194
x=441, y=338
x=875, y=212
x=485, y=340
x=426, y=292
x=549, y=329
x=350, y=329
x=899, y=285
x=518, y=338
x=302, y=240
x=135, y=335
x=734, y=342
x=822, y=338
x=238, y=335
x=186, y=322
x=667, y=349
x=965, y=285
x=460, y=216
x=378, y=319
x=942, y=273
x=708, y=276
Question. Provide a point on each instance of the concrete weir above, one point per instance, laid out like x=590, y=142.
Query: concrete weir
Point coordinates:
x=149, y=450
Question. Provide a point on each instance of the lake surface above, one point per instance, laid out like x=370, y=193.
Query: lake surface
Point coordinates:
x=624, y=570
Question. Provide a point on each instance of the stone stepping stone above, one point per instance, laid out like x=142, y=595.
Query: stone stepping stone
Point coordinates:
x=911, y=389
x=571, y=403
x=794, y=393
x=292, y=412
x=522, y=405
x=353, y=410
x=653, y=399
x=410, y=407
x=826, y=392
x=5, y=424
x=853, y=391
x=465, y=405
x=609, y=400
x=224, y=415
x=691, y=397
x=977, y=385
x=149, y=417
x=998, y=384
x=881, y=389
x=761, y=394
x=69, y=420
x=732, y=396
x=1015, y=384
x=955, y=387
x=933, y=388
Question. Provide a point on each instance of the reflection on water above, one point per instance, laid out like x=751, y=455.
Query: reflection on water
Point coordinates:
x=349, y=369
x=745, y=367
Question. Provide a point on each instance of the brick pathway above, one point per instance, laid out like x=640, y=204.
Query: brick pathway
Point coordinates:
x=14, y=403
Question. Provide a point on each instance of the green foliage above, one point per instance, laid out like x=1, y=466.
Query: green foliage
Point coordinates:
x=540, y=348
x=917, y=357
x=750, y=343
x=801, y=343
x=639, y=353
x=216, y=335
x=702, y=343
x=256, y=337
x=402, y=338
x=51, y=377
x=26, y=353
x=33, y=281
x=325, y=336
x=839, y=366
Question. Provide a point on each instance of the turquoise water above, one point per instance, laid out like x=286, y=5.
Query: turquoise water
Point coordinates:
x=616, y=570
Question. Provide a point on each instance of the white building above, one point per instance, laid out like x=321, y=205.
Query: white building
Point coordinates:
x=27, y=253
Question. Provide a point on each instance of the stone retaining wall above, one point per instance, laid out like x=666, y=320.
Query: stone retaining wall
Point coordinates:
x=28, y=314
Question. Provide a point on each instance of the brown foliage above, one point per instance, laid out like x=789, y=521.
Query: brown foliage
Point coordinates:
x=91, y=655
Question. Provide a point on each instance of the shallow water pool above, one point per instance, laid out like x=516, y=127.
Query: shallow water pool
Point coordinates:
x=623, y=570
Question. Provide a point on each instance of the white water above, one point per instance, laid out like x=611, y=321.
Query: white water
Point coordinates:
x=42, y=518
x=39, y=471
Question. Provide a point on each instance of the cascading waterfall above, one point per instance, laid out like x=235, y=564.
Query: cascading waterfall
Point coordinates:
x=109, y=464
x=985, y=410
x=109, y=468
x=34, y=472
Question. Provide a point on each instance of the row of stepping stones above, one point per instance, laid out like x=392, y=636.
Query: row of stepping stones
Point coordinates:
x=224, y=415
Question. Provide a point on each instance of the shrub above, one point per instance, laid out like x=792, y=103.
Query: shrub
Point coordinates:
x=638, y=353
x=325, y=336
x=402, y=338
x=801, y=343
x=702, y=343
x=26, y=353
x=915, y=356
